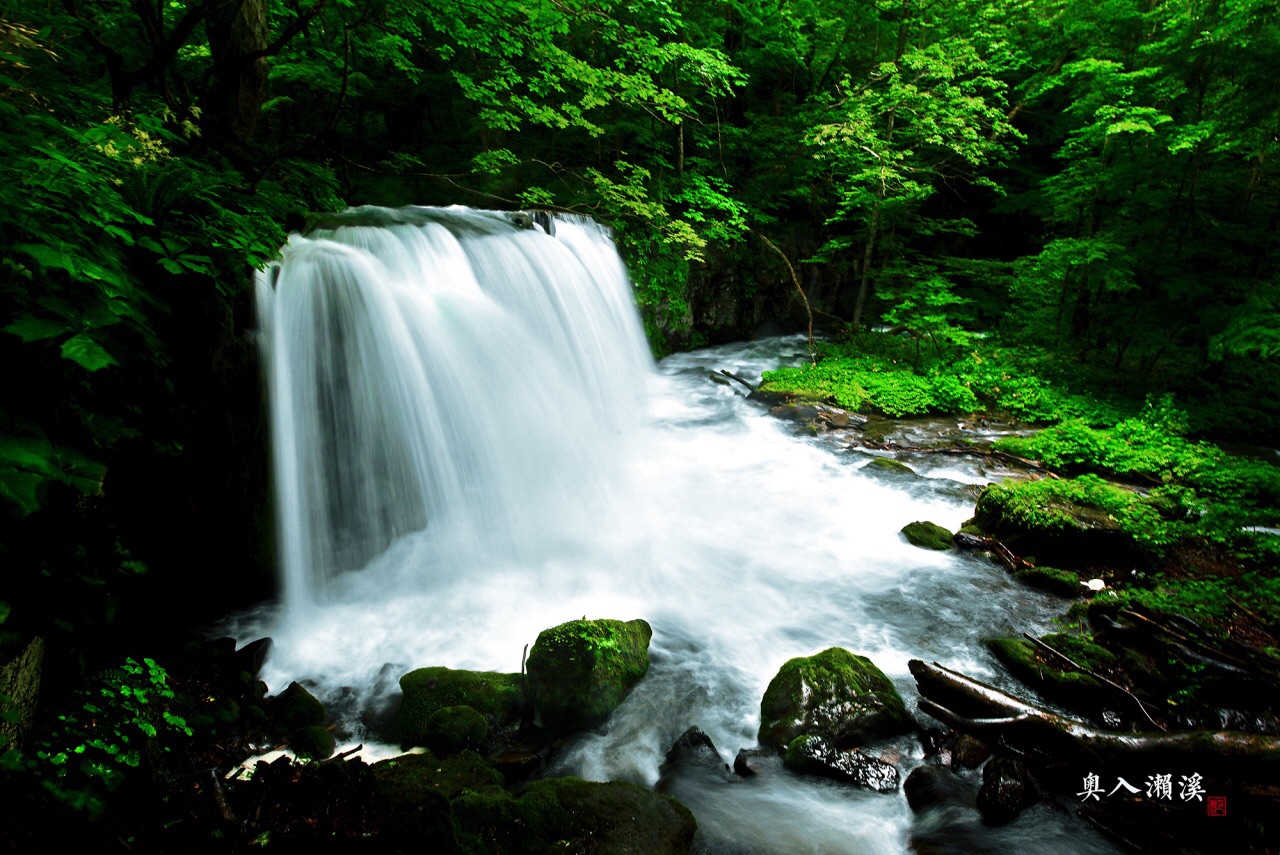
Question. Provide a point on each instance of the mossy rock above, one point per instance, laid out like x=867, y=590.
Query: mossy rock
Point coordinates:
x=835, y=694
x=496, y=696
x=296, y=708
x=813, y=755
x=572, y=815
x=889, y=466
x=451, y=729
x=1051, y=579
x=580, y=671
x=927, y=535
x=1074, y=689
x=313, y=742
x=1071, y=523
x=406, y=779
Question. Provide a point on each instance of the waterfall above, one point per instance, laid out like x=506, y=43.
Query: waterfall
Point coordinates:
x=448, y=370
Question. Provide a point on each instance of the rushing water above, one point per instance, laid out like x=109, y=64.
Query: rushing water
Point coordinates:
x=472, y=445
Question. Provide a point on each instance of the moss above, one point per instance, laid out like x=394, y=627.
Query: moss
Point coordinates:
x=581, y=670
x=1070, y=687
x=889, y=466
x=494, y=695
x=927, y=535
x=451, y=729
x=297, y=708
x=1050, y=579
x=314, y=742
x=835, y=694
x=405, y=779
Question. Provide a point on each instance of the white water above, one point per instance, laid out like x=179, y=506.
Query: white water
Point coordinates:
x=472, y=445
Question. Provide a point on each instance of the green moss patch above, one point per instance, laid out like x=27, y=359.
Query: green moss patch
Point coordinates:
x=1051, y=579
x=927, y=535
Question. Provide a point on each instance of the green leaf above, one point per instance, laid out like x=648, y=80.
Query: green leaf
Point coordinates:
x=30, y=328
x=86, y=352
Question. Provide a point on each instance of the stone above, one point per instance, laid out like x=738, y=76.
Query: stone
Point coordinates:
x=935, y=786
x=927, y=535
x=835, y=694
x=813, y=755
x=494, y=695
x=1006, y=791
x=314, y=742
x=296, y=708
x=968, y=752
x=580, y=671
x=20, y=692
x=890, y=466
x=451, y=729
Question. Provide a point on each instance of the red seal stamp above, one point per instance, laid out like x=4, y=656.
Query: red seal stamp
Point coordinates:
x=1217, y=805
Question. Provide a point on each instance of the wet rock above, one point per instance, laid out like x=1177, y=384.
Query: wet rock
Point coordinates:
x=927, y=535
x=494, y=695
x=1006, y=791
x=968, y=753
x=1062, y=582
x=817, y=416
x=451, y=729
x=580, y=671
x=253, y=655
x=516, y=764
x=889, y=466
x=835, y=694
x=296, y=708
x=934, y=786
x=813, y=755
x=1046, y=674
x=315, y=743
x=568, y=814
x=693, y=746
x=743, y=763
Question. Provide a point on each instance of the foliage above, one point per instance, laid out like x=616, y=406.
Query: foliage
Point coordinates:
x=118, y=731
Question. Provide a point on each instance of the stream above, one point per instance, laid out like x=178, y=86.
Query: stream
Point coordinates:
x=742, y=541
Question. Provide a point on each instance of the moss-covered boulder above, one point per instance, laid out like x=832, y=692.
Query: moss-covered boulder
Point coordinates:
x=405, y=780
x=451, y=729
x=314, y=742
x=1051, y=579
x=835, y=694
x=495, y=696
x=581, y=670
x=1071, y=523
x=890, y=467
x=296, y=708
x=927, y=535
x=572, y=815
x=1052, y=677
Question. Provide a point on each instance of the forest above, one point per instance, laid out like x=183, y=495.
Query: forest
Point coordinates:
x=1055, y=213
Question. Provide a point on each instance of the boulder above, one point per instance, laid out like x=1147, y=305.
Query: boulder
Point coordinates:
x=693, y=753
x=889, y=466
x=835, y=694
x=927, y=535
x=580, y=671
x=1006, y=790
x=968, y=752
x=296, y=708
x=935, y=786
x=813, y=755
x=20, y=692
x=495, y=696
x=568, y=814
x=451, y=729
x=1062, y=582
x=314, y=742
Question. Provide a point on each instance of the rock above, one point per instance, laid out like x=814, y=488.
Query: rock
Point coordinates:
x=580, y=671
x=451, y=729
x=968, y=753
x=296, y=708
x=1045, y=674
x=889, y=466
x=568, y=814
x=516, y=764
x=935, y=786
x=835, y=694
x=313, y=742
x=1007, y=789
x=405, y=779
x=494, y=695
x=813, y=755
x=20, y=692
x=1051, y=579
x=253, y=655
x=742, y=763
x=927, y=535
x=693, y=752
x=1073, y=521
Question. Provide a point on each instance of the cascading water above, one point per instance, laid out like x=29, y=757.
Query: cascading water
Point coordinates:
x=472, y=445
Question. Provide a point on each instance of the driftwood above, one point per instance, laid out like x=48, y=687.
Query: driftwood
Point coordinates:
x=993, y=716
x=1002, y=553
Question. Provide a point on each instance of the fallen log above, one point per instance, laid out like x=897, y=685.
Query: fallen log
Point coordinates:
x=973, y=707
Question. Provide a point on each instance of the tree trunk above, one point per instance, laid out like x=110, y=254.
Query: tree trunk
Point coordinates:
x=238, y=39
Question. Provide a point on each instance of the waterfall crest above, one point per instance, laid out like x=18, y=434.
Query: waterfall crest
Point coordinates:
x=444, y=369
